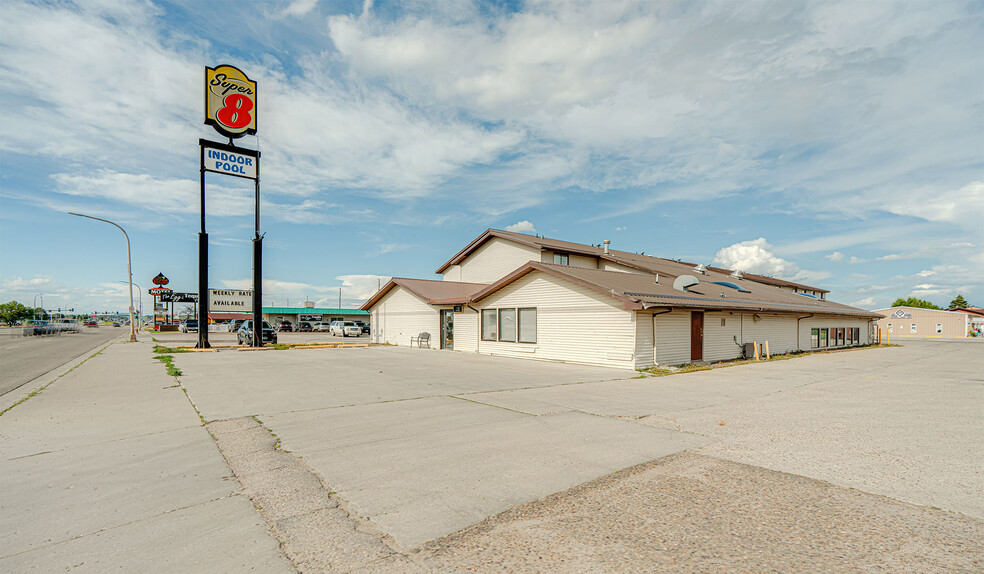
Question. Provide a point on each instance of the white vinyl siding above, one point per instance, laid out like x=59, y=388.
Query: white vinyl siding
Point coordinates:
x=586, y=261
x=400, y=315
x=452, y=273
x=610, y=266
x=672, y=338
x=779, y=331
x=493, y=260
x=719, y=341
x=466, y=330
x=574, y=324
x=644, y=340
x=829, y=322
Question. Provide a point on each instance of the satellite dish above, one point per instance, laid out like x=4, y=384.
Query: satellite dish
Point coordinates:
x=738, y=274
x=684, y=282
x=702, y=269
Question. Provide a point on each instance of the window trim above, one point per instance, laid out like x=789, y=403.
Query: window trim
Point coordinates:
x=515, y=324
x=565, y=258
x=519, y=327
x=495, y=314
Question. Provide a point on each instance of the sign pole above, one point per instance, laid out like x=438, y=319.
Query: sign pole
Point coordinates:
x=257, y=269
x=203, y=267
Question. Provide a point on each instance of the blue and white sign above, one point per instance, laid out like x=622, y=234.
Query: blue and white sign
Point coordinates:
x=229, y=162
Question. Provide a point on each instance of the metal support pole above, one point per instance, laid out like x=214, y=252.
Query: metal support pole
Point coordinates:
x=203, y=266
x=257, y=271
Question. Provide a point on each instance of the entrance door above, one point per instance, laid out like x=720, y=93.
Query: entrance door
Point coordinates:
x=447, y=328
x=696, y=335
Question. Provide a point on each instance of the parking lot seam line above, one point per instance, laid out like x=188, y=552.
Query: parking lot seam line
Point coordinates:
x=460, y=398
x=51, y=382
x=120, y=439
x=122, y=525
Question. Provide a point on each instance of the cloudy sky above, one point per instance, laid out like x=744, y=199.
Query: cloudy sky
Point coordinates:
x=837, y=144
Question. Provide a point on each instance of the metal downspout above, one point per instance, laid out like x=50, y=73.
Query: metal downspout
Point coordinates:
x=798, y=346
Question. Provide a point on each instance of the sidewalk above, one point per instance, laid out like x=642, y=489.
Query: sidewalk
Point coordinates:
x=110, y=468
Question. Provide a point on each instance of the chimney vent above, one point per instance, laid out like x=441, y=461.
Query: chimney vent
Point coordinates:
x=607, y=241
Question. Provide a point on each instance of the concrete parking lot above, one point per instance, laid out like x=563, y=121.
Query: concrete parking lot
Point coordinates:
x=395, y=459
x=472, y=435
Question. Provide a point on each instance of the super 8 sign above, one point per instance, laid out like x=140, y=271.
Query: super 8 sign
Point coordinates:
x=230, y=101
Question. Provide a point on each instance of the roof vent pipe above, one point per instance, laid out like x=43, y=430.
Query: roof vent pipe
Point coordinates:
x=607, y=241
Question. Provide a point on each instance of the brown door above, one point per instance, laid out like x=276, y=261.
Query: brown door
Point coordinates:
x=696, y=335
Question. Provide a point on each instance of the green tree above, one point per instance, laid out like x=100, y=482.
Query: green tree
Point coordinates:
x=958, y=303
x=913, y=302
x=13, y=311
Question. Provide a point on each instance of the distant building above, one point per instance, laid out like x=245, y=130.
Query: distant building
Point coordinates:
x=527, y=296
x=916, y=322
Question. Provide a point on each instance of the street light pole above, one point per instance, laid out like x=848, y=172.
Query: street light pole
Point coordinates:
x=129, y=273
x=140, y=294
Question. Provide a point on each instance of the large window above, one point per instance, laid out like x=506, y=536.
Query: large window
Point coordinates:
x=840, y=335
x=507, y=324
x=489, y=324
x=562, y=259
x=815, y=337
x=527, y=325
x=823, y=337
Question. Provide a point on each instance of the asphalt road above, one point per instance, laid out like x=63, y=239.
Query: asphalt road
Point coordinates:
x=25, y=358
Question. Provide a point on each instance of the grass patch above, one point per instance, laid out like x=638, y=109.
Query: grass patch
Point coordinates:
x=161, y=349
x=168, y=361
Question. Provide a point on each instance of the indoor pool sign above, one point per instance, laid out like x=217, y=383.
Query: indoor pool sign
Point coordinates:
x=230, y=101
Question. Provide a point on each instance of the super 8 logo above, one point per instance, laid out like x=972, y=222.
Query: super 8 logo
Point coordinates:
x=230, y=101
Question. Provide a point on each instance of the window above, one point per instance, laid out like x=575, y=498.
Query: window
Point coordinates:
x=561, y=259
x=527, y=325
x=507, y=324
x=840, y=335
x=723, y=324
x=939, y=328
x=857, y=335
x=889, y=327
x=850, y=336
x=815, y=338
x=823, y=337
x=489, y=325
x=912, y=327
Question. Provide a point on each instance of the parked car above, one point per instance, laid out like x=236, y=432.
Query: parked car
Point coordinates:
x=189, y=326
x=245, y=333
x=304, y=328
x=345, y=328
x=235, y=325
x=363, y=325
x=321, y=327
x=285, y=326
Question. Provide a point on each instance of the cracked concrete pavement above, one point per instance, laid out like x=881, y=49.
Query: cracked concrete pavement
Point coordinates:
x=388, y=459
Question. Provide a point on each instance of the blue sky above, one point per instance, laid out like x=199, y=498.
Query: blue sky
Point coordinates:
x=836, y=144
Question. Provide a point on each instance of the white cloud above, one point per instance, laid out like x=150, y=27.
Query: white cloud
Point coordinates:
x=299, y=8
x=835, y=256
x=361, y=287
x=856, y=260
x=755, y=256
x=897, y=256
x=867, y=302
x=523, y=226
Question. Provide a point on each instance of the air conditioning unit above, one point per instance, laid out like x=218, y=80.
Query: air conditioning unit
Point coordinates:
x=748, y=350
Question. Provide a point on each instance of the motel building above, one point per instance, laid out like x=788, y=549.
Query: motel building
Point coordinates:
x=518, y=295
x=915, y=322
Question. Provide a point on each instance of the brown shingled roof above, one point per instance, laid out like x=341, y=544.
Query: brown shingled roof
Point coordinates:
x=433, y=292
x=634, y=260
x=639, y=291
